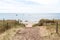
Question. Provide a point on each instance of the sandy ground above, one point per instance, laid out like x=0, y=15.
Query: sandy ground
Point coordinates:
x=29, y=24
x=31, y=33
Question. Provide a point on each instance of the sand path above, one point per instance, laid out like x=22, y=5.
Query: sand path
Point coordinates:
x=31, y=33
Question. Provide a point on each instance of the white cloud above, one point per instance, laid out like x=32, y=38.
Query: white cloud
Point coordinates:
x=12, y=7
x=46, y=6
x=46, y=1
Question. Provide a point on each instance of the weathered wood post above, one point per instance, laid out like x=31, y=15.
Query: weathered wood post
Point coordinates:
x=7, y=25
x=15, y=22
x=3, y=21
x=56, y=27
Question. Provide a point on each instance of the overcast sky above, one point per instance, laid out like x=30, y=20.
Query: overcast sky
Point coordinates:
x=29, y=6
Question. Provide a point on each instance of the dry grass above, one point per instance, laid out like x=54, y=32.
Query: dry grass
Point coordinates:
x=47, y=34
x=8, y=24
x=7, y=35
x=8, y=30
x=47, y=29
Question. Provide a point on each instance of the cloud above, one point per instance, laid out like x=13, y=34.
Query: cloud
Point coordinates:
x=29, y=6
x=27, y=2
x=10, y=6
x=48, y=2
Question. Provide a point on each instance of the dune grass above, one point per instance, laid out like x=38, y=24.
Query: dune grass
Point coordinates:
x=8, y=24
x=10, y=29
x=7, y=35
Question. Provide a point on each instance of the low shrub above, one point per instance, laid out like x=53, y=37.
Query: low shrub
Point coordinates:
x=34, y=25
x=6, y=25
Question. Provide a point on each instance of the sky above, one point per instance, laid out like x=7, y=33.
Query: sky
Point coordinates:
x=29, y=17
x=30, y=6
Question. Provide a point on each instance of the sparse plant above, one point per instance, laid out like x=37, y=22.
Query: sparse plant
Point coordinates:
x=8, y=24
x=34, y=25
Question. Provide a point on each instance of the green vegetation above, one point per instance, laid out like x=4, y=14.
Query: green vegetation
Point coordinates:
x=45, y=22
x=34, y=25
x=52, y=25
x=8, y=24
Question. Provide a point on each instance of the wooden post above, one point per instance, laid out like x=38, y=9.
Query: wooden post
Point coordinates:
x=56, y=27
x=3, y=21
x=7, y=25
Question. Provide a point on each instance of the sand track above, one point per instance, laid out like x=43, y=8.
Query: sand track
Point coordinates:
x=30, y=33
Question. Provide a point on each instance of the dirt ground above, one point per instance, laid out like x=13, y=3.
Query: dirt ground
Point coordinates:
x=34, y=33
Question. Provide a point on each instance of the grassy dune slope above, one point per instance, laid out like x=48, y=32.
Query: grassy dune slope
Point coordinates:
x=7, y=35
x=47, y=32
